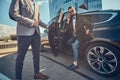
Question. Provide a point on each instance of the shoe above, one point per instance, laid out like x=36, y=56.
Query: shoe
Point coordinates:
x=44, y=76
x=41, y=76
x=73, y=67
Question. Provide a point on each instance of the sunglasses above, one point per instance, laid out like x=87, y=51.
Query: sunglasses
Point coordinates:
x=71, y=11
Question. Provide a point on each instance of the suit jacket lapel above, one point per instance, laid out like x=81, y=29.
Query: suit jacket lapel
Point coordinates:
x=30, y=6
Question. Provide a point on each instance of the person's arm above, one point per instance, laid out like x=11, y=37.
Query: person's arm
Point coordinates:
x=14, y=11
x=87, y=29
x=43, y=24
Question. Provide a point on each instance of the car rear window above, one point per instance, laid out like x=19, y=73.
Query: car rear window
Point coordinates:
x=97, y=18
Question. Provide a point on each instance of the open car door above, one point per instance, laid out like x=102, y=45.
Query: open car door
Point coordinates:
x=54, y=35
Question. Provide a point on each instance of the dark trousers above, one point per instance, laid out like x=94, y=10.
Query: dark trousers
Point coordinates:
x=23, y=44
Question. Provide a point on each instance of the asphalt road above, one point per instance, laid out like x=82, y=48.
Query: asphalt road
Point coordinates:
x=55, y=67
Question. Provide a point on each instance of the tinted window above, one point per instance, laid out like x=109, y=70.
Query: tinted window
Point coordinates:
x=100, y=17
x=66, y=14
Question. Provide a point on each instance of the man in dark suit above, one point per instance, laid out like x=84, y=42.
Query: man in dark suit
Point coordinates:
x=26, y=14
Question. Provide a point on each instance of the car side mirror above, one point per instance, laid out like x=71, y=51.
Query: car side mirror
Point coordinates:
x=46, y=31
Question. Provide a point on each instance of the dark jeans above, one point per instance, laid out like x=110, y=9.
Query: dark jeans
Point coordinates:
x=71, y=40
x=23, y=44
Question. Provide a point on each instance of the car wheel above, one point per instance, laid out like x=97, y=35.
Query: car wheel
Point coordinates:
x=103, y=58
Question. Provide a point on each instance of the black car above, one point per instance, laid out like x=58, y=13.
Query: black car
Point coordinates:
x=101, y=50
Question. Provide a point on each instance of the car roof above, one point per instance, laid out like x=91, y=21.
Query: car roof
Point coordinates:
x=110, y=10
x=87, y=13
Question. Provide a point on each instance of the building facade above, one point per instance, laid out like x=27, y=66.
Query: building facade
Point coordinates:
x=55, y=6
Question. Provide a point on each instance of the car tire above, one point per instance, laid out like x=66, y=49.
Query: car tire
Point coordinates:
x=103, y=58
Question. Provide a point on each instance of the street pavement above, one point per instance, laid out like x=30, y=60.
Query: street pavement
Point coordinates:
x=55, y=67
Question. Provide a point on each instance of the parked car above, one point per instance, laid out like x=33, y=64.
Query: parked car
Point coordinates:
x=44, y=40
x=102, y=51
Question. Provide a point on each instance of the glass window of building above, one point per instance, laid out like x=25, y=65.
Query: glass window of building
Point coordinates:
x=56, y=6
x=66, y=1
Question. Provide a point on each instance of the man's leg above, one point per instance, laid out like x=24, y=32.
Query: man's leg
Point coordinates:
x=75, y=49
x=36, y=52
x=23, y=44
x=75, y=52
x=71, y=40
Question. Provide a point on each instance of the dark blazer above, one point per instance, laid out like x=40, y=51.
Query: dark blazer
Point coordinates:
x=83, y=24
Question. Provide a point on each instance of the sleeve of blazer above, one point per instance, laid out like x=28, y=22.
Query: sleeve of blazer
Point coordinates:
x=42, y=24
x=14, y=11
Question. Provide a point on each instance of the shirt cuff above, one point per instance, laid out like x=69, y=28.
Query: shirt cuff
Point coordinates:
x=32, y=24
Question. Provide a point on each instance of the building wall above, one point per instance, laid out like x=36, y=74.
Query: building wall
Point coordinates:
x=94, y=4
x=56, y=5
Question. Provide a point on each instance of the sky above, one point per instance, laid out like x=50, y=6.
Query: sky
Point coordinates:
x=44, y=10
x=111, y=4
x=6, y=21
x=4, y=8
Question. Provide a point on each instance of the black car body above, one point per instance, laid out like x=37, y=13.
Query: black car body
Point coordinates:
x=102, y=49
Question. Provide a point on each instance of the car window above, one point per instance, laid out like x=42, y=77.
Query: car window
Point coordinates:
x=97, y=18
x=65, y=15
